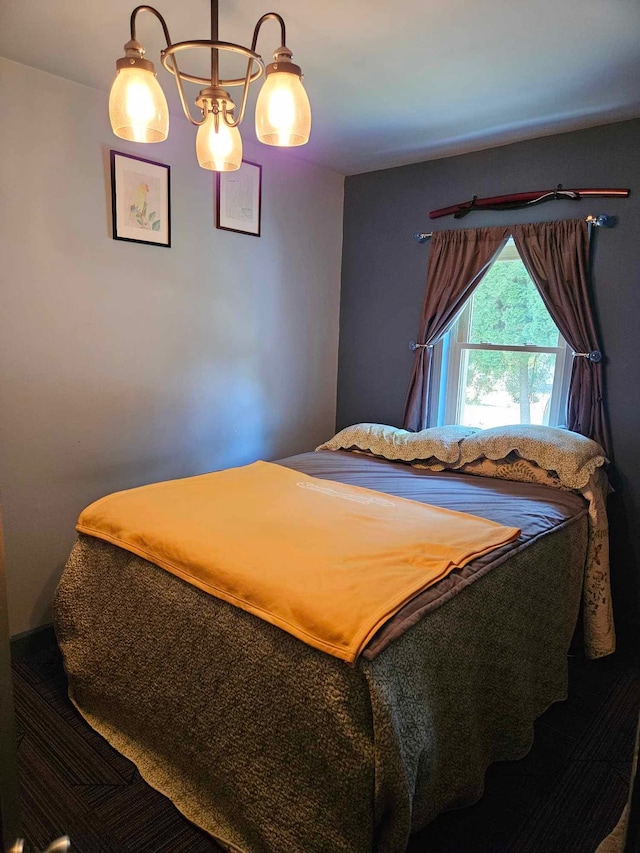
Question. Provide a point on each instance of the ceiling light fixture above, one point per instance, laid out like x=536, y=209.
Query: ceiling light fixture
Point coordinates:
x=138, y=108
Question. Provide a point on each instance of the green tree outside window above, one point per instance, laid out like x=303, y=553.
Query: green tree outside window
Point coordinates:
x=507, y=309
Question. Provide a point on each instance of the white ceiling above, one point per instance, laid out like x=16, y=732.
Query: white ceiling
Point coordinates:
x=389, y=82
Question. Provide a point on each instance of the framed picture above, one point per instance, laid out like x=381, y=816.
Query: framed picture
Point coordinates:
x=239, y=198
x=140, y=203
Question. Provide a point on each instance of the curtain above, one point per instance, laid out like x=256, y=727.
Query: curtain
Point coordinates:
x=458, y=261
x=556, y=255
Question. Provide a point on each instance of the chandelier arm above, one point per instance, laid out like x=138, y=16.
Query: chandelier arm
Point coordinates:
x=243, y=103
x=274, y=16
x=185, y=107
x=155, y=12
x=174, y=62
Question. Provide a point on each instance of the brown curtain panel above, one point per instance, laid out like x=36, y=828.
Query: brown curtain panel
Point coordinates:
x=457, y=262
x=556, y=255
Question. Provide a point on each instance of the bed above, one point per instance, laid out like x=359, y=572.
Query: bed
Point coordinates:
x=273, y=746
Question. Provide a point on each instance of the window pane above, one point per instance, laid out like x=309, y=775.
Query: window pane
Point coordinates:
x=502, y=387
x=507, y=309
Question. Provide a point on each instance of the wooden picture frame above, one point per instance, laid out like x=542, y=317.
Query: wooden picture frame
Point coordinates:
x=140, y=200
x=239, y=199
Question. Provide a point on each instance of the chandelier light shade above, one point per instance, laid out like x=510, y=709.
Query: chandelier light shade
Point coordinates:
x=218, y=149
x=138, y=108
x=283, y=112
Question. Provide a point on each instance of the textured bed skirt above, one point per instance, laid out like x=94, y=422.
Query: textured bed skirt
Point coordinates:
x=274, y=747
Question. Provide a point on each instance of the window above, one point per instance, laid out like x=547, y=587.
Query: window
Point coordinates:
x=504, y=360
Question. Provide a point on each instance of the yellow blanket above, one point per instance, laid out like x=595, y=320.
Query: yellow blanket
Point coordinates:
x=329, y=563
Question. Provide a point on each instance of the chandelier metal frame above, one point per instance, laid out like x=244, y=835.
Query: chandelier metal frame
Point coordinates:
x=214, y=97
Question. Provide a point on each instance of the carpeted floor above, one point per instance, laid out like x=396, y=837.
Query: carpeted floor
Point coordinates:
x=564, y=797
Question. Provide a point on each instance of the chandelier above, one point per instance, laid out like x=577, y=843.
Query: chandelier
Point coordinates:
x=138, y=108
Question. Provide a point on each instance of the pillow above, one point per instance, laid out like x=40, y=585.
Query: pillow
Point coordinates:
x=441, y=443
x=572, y=456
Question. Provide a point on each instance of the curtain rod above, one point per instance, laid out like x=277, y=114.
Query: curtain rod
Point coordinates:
x=602, y=220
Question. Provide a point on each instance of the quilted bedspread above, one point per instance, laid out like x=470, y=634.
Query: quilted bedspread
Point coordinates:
x=275, y=747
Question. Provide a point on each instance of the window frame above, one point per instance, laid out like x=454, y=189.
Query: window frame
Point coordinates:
x=448, y=355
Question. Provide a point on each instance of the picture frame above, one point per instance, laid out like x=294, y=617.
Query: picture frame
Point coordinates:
x=140, y=200
x=239, y=199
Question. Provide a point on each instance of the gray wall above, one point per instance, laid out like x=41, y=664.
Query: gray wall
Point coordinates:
x=122, y=364
x=383, y=281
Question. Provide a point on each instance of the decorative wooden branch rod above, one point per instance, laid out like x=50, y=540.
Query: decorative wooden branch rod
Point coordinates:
x=515, y=201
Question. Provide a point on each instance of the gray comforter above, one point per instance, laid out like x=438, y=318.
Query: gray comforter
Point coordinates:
x=275, y=747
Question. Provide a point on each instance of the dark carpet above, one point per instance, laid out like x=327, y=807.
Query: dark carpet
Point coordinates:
x=564, y=796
